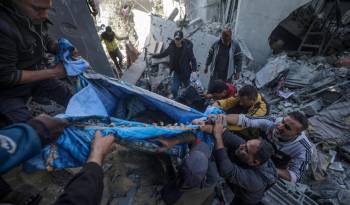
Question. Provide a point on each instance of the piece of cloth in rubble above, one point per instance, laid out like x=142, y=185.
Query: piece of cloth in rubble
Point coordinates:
x=298, y=150
x=73, y=66
x=235, y=59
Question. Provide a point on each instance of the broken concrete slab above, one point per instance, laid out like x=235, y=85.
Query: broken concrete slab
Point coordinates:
x=133, y=74
x=312, y=108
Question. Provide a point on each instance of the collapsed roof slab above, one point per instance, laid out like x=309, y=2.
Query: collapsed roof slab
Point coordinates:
x=255, y=21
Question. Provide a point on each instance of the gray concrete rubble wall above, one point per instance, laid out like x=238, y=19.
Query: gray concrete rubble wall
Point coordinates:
x=255, y=21
x=77, y=25
x=162, y=29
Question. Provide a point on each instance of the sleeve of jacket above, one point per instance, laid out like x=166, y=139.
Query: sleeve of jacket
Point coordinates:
x=238, y=58
x=193, y=60
x=18, y=143
x=210, y=55
x=259, y=109
x=166, y=52
x=51, y=44
x=86, y=187
x=228, y=103
x=244, y=178
x=298, y=165
x=9, y=74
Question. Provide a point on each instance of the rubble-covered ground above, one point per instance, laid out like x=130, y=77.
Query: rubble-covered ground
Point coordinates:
x=313, y=85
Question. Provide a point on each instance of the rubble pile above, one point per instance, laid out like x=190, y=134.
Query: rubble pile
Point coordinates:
x=320, y=90
x=307, y=85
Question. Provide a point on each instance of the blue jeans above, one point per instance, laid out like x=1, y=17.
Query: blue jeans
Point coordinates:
x=176, y=84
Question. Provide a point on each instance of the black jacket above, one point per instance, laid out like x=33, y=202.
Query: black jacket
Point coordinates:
x=22, y=45
x=187, y=62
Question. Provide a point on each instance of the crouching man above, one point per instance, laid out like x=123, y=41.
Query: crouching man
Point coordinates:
x=244, y=165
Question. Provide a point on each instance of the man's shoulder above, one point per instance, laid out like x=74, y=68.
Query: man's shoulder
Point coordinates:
x=304, y=142
x=188, y=43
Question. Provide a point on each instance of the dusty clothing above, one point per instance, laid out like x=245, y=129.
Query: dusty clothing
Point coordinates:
x=110, y=40
x=247, y=183
x=298, y=151
x=85, y=188
x=218, y=63
x=22, y=47
x=181, y=63
x=231, y=106
x=222, y=61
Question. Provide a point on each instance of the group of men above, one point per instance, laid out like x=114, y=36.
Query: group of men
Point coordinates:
x=224, y=60
x=250, y=152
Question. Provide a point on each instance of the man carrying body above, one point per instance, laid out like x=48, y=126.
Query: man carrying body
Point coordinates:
x=244, y=165
x=182, y=61
x=23, y=44
x=224, y=58
x=292, y=147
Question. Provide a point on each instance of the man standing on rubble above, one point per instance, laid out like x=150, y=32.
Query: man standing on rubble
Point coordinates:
x=224, y=59
x=182, y=61
x=110, y=40
x=23, y=44
x=292, y=147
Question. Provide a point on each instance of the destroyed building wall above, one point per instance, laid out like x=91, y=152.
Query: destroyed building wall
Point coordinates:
x=207, y=10
x=255, y=21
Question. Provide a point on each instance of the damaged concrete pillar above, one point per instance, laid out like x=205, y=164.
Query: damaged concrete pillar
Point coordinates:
x=256, y=19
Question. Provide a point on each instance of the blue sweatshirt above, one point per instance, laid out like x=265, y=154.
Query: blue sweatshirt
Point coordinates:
x=18, y=143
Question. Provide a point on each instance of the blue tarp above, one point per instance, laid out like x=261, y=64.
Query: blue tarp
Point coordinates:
x=92, y=109
x=100, y=104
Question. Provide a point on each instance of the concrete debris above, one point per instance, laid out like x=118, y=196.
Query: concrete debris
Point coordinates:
x=337, y=166
x=284, y=193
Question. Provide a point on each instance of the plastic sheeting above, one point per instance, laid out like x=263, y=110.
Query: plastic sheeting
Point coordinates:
x=92, y=109
x=73, y=66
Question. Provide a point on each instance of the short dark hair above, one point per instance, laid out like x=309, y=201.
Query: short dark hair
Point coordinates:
x=265, y=151
x=248, y=91
x=217, y=86
x=109, y=29
x=302, y=119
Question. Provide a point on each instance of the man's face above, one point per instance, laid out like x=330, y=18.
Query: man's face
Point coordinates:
x=246, y=152
x=226, y=37
x=288, y=128
x=219, y=96
x=246, y=102
x=178, y=42
x=36, y=10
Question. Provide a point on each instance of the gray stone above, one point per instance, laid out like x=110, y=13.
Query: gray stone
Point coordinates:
x=312, y=108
